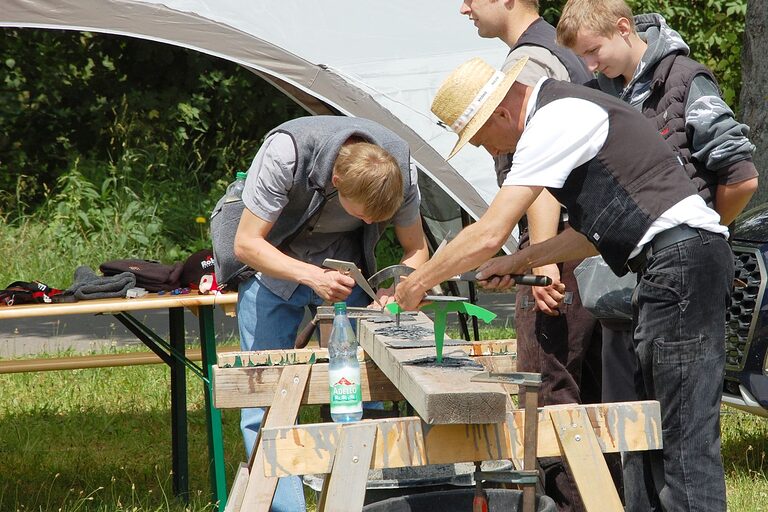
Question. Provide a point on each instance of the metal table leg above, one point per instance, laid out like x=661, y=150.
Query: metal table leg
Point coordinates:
x=179, y=439
x=213, y=415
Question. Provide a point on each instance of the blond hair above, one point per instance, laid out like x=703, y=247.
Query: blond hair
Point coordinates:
x=598, y=16
x=370, y=176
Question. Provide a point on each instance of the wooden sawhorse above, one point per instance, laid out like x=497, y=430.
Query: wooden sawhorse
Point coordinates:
x=458, y=420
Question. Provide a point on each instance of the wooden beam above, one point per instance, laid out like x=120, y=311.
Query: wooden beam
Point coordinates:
x=235, y=388
x=236, y=495
x=260, y=488
x=400, y=442
x=344, y=488
x=440, y=394
x=585, y=460
x=276, y=357
x=48, y=364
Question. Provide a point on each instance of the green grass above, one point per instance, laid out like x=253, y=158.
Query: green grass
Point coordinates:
x=99, y=440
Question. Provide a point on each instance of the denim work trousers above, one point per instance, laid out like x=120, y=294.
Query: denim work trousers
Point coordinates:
x=679, y=328
x=565, y=349
x=268, y=322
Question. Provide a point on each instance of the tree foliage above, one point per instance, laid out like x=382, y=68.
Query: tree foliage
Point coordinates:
x=99, y=130
x=171, y=125
x=754, y=98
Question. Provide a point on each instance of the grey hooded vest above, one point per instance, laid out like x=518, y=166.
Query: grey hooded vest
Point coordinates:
x=317, y=140
x=665, y=106
x=635, y=177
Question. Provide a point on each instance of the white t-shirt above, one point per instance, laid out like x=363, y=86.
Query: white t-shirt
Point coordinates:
x=569, y=132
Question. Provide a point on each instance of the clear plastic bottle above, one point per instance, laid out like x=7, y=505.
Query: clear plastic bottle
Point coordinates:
x=235, y=189
x=344, y=369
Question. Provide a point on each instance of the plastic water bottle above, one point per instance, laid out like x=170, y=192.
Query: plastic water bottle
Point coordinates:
x=344, y=369
x=235, y=189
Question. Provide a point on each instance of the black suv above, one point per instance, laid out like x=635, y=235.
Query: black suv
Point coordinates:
x=746, y=337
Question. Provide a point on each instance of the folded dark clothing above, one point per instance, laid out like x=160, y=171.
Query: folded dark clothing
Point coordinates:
x=27, y=292
x=150, y=275
x=88, y=285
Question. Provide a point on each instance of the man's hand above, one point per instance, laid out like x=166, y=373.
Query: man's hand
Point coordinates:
x=409, y=293
x=548, y=298
x=332, y=285
x=499, y=266
x=385, y=296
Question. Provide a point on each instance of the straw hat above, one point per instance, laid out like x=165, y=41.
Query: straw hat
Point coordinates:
x=470, y=94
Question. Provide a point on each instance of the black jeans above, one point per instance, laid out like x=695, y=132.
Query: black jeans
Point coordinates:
x=565, y=349
x=620, y=384
x=679, y=327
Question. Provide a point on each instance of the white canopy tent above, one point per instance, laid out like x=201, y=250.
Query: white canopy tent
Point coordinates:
x=379, y=60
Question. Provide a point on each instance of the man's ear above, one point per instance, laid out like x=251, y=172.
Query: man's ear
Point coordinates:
x=334, y=180
x=624, y=27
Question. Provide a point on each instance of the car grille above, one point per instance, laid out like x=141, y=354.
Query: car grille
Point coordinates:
x=740, y=317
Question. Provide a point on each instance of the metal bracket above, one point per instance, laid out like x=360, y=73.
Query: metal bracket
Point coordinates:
x=519, y=378
x=521, y=477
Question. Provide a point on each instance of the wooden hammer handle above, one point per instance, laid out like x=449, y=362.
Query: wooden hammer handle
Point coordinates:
x=302, y=339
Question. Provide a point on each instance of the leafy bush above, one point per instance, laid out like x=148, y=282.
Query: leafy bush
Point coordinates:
x=130, y=141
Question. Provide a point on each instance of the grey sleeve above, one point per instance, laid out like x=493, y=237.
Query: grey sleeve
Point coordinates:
x=409, y=210
x=717, y=138
x=541, y=63
x=270, y=177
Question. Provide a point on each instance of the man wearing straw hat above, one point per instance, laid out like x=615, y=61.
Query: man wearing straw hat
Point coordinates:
x=556, y=335
x=628, y=200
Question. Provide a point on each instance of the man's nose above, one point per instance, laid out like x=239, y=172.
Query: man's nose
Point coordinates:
x=464, y=8
x=591, y=63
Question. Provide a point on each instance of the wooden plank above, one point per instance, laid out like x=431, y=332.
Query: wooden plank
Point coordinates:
x=95, y=306
x=89, y=361
x=439, y=394
x=236, y=495
x=628, y=426
x=275, y=357
x=619, y=427
x=345, y=489
x=491, y=347
x=585, y=460
x=481, y=349
x=235, y=388
x=229, y=309
x=285, y=407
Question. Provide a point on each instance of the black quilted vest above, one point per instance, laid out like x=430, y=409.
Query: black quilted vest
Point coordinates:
x=635, y=177
x=665, y=106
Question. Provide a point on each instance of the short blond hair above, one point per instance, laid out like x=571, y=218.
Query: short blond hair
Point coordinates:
x=367, y=174
x=598, y=16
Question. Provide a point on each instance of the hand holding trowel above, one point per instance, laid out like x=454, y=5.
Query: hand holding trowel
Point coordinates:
x=347, y=268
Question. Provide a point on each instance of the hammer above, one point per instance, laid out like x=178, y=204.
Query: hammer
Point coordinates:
x=397, y=271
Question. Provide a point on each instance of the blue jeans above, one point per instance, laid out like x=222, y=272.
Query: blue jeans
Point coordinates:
x=679, y=328
x=267, y=322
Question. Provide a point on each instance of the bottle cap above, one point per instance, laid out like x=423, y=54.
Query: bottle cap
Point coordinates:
x=240, y=175
x=338, y=307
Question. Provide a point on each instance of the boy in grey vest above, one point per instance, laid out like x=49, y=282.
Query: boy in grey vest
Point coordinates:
x=628, y=200
x=319, y=187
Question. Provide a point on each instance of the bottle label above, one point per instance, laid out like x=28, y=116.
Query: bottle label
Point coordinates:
x=346, y=395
